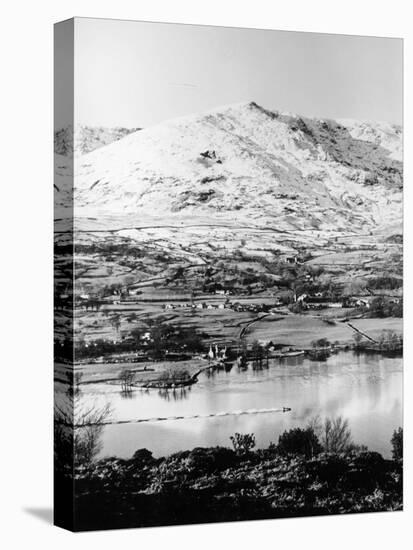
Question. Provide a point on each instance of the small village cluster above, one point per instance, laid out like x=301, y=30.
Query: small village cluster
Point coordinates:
x=316, y=301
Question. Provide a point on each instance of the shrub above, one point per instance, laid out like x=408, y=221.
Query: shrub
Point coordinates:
x=366, y=470
x=243, y=443
x=397, y=444
x=387, y=282
x=328, y=469
x=299, y=441
x=390, y=340
x=208, y=460
x=321, y=343
x=174, y=375
x=381, y=306
x=143, y=456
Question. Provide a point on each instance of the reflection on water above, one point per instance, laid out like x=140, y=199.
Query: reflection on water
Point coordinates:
x=174, y=394
x=127, y=393
x=365, y=389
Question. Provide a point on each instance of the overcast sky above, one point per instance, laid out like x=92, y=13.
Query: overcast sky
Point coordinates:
x=138, y=74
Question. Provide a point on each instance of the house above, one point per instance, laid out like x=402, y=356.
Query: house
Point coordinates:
x=320, y=302
x=349, y=301
x=355, y=302
x=361, y=302
x=293, y=259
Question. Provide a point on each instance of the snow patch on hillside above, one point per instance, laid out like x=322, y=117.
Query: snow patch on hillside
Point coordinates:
x=248, y=163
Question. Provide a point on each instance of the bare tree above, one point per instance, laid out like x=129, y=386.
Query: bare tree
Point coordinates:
x=334, y=433
x=257, y=354
x=336, y=436
x=78, y=430
x=126, y=377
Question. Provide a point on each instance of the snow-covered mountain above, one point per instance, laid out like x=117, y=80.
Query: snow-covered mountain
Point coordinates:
x=85, y=139
x=245, y=162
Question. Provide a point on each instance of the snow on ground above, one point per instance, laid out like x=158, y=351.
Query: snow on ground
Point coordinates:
x=245, y=164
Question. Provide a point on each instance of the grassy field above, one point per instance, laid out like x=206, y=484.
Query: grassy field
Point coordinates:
x=300, y=330
x=224, y=325
x=95, y=373
x=221, y=325
x=374, y=327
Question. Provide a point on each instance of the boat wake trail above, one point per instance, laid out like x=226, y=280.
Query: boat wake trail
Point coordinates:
x=190, y=417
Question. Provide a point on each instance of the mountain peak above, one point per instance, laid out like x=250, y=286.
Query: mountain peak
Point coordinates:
x=250, y=163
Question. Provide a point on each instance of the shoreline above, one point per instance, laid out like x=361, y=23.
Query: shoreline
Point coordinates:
x=197, y=367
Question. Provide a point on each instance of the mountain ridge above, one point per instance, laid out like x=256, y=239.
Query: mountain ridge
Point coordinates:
x=83, y=139
x=251, y=163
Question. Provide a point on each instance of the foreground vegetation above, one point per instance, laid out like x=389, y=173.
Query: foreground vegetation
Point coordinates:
x=316, y=470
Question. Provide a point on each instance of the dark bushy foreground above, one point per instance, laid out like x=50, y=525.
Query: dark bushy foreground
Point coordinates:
x=220, y=484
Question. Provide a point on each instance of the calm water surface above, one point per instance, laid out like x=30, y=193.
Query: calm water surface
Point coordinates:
x=365, y=389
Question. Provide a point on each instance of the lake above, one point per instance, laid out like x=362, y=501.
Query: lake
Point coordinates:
x=365, y=389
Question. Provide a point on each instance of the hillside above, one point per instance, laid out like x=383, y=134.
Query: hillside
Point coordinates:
x=86, y=138
x=247, y=164
x=243, y=200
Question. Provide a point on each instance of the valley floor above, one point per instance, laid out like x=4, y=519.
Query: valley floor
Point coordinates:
x=295, y=331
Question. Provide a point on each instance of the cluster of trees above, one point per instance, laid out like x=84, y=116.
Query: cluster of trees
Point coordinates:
x=174, y=376
x=95, y=349
x=387, y=282
x=127, y=378
x=390, y=340
x=259, y=355
x=331, y=435
x=171, y=338
x=164, y=338
x=104, y=248
x=300, y=277
x=321, y=343
x=382, y=306
x=234, y=277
